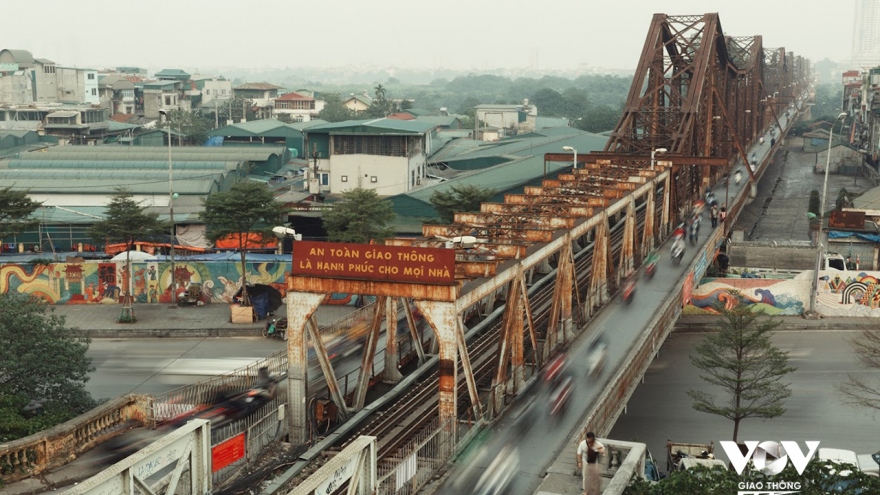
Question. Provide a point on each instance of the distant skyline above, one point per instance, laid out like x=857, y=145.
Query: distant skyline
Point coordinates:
x=454, y=34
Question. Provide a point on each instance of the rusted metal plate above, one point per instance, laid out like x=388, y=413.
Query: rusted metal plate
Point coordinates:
x=374, y=262
x=496, y=234
x=854, y=220
x=505, y=251
x=391, y=289
x=473, y=269
x=591, y=201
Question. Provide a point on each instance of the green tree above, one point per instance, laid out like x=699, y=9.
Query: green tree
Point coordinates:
x=16, y=208
x=334, y=110
x=40, y=358
x=381, y=106
x=361, y=216
x=599, y=119
x=550, y=103
x=248, y=207
x=741, y=361
x=193, y=126
x=126, y=221
x=458, y=199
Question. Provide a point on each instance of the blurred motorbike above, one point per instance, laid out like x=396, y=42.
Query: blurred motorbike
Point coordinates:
x=628, y=290
x=598, y=354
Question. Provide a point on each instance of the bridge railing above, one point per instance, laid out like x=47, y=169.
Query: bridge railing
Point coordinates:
x=57, y=446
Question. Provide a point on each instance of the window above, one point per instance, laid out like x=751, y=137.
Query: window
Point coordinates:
x=344, y=178
x=94, y=91
x=91, y=75
x=167, y=101
x=374, y=179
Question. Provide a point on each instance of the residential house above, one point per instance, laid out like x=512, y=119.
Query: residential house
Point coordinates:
x=78, y=124
x=163, y=96
x=212, y=88
x=49, y=83
x=261, y=94
x=116, y=93
x=386, y=155
x=358, y=103
x=297, y=107
x=514, y=119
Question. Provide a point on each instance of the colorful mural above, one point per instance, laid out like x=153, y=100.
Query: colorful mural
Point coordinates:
x=772, y=296
x=151, y=282
x=848, y=293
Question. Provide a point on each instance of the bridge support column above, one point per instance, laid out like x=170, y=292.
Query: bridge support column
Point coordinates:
x=628, y=248
x=560, y=309
x=392, y=359
x=650, y=223
x=667, y=205
x=300, y=308
x=369, y=351
x=442, y=317
x=599, y=274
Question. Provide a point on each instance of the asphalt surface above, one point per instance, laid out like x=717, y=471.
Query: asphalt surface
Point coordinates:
x=660, y=408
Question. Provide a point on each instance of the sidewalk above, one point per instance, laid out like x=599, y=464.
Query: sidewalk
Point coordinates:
x=164, y=320
x=706, y=323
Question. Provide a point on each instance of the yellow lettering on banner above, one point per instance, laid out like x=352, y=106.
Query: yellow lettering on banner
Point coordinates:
x=316, y=252
x=306, y=266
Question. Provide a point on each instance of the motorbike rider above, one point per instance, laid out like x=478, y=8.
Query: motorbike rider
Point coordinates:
x=738, y=176
x=678, y=247
x=265, y=386
x=652, y=259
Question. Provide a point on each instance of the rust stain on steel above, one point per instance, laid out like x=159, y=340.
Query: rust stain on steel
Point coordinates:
x=376, y=288
x=473, y=269
x=374, y=262
x=496, y=233
x=483, y=248
x=521, y=199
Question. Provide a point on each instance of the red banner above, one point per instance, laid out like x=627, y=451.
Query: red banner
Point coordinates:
x=373, y=262
x=225, y=453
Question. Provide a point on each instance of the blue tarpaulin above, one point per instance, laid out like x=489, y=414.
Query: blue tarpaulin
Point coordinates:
x=867, y=236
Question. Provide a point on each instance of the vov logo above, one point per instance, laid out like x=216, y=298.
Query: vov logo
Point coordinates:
x=758, y=452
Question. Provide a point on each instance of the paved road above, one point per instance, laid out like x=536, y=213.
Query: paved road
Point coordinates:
x=660, y=408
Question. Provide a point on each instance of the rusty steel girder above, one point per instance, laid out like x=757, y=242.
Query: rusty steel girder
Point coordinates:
x=513, y=221
x=566, y=210
x=482, y=247
x=531, y=198
x=528, y=235
x=645, y=161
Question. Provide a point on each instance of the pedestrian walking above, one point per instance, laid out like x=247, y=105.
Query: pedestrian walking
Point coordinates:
x=692, y=231
x=588, y=462
x=713, y=215
x=722, y=215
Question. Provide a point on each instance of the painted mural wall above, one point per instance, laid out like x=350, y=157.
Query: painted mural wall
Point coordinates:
x=854, y=293
x=772, y=296
x=151, y=282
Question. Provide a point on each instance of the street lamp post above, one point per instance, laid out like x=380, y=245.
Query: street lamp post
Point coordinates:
x=569, y=148
x=655, y=151
x=171, y=208
x=815, y=288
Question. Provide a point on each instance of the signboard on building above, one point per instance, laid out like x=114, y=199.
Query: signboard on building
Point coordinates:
x=434, y=266
x=9, y=67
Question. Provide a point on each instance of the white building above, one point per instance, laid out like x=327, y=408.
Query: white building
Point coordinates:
x=518, y=118
x=50, y=83
x=298, y=107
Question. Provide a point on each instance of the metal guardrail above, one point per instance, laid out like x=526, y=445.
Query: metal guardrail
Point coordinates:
x=56, y=446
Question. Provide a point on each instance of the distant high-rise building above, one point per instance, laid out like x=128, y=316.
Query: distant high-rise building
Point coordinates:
x=866, y=34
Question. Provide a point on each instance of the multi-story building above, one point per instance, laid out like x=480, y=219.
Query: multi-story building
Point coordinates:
x=117, y=94
x=261, y=94
x=386, y=155
x=78, y=124
x=212, y=88
x=866, y=34
x=510, y=119
x=297, y=107
x=358, y=103
x=50, y=83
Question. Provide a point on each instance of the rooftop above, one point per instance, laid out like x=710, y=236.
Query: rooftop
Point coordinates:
x=374, y=126
x=294, y=96
x=257, y=86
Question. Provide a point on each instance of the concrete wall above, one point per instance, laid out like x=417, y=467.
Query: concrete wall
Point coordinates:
x=391, y=173
x=768, y=255
x=16, y=89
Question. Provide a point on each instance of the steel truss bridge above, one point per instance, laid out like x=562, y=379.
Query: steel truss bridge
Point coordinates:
x=534, y=270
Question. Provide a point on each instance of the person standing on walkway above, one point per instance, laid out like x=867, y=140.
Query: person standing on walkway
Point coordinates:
x=713, y=215
x=588, y=462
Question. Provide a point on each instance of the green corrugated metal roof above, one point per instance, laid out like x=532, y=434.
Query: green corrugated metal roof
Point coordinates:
x=109, y=186
x=406, y=205
x=374, y=126
x=122, y=164
x=441, y=120
x=255, y=128
x=550, y=122
x=123, y=175
x=150, y=153
x=112, y=125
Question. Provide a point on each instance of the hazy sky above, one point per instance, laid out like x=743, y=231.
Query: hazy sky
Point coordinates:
x=455, y=34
